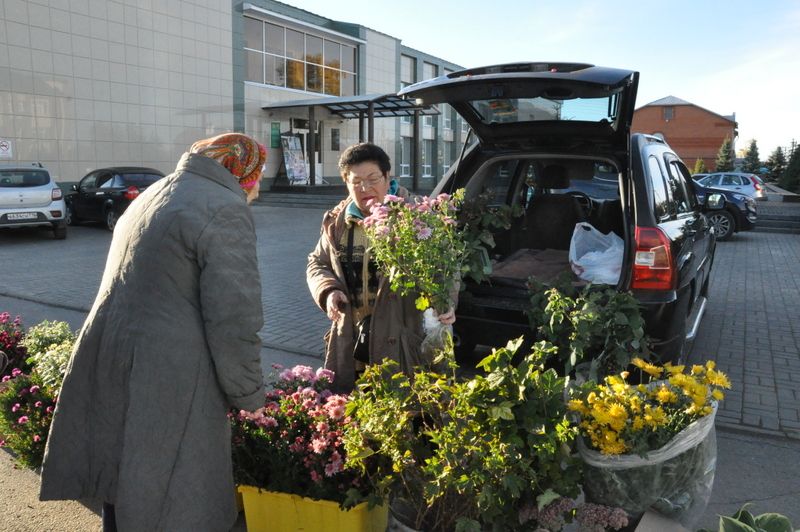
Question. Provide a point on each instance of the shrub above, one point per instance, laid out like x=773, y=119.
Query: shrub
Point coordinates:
x=12, y=351
x=49, y=345
x=26, y=410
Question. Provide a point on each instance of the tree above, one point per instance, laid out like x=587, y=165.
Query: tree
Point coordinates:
x=725, y=156
x=776, y=163
x=790, y=179
x=752, y=162
x=700, y=167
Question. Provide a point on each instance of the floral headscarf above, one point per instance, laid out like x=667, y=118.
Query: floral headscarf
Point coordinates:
x=240, y=154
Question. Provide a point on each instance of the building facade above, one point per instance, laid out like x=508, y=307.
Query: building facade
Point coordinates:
x=693, y=132
x=92, y=83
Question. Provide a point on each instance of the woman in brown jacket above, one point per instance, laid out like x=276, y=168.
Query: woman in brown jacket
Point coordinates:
x=369, y=322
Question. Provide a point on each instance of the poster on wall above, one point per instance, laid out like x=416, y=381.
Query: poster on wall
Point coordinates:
x=294, y=159
x=6, y=149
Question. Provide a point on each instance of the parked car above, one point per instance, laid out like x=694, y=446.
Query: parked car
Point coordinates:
x=104, y=194
x=555, y=139
x=737, y=213
x=744, y=183
x=698, y=177
x=30, y=198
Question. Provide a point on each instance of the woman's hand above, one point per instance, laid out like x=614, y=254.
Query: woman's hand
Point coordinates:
x=448, y=318
x=334, y=305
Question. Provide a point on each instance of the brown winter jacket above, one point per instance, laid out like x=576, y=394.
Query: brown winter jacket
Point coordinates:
x=396, y=326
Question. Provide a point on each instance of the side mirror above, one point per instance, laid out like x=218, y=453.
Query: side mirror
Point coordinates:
x=74, y=187
x=715, y=201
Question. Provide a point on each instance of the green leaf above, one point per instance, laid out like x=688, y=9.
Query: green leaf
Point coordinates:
x=546, y=498
x=729, y=524
x=620, y=318
x=465, y=524
x=772, y=522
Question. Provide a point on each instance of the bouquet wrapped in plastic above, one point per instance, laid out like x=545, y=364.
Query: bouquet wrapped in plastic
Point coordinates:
x=651, y=446
x=419, y=246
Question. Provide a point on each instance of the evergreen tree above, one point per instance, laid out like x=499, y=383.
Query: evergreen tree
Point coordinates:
x=725, y=156
x=752, y=162
x=776, y=163
x=700, y=167
x=790, y=179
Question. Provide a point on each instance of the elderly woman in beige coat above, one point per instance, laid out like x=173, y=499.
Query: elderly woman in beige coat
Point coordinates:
x=169, y=346
x=368, y=321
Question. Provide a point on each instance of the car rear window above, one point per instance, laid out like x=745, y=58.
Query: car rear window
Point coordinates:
x=23, y=178
x=139, y=180
x=547, y=109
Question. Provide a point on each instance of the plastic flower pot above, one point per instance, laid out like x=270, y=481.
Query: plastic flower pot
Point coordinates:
x=269, y=511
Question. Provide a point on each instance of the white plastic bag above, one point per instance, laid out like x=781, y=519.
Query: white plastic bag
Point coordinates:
x=594, y=256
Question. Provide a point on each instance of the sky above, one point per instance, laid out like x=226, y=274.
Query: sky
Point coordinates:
x=729, y=57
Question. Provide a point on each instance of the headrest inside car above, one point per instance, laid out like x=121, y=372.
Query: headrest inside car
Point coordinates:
x=553, y=176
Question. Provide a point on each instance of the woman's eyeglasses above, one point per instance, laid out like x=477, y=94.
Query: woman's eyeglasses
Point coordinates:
x=369, y=182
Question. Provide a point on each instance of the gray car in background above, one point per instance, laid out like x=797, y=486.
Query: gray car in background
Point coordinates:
x=30, y=198
x=744, y=183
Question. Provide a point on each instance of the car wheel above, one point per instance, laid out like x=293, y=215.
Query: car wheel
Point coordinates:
x=723, y=224
x=111, y=219
x=69, y=216
x=60, y=231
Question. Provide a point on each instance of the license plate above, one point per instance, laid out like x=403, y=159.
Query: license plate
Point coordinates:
x=22, y=216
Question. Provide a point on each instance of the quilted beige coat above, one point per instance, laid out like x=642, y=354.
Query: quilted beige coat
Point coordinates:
x=169, y=345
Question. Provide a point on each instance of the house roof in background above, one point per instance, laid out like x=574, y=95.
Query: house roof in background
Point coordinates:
x=673, y=100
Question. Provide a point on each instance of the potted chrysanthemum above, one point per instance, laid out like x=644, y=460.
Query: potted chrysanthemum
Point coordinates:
x=288, y=459
x=651, y=445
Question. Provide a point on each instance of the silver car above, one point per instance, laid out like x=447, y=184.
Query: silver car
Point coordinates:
x=30, y=198
x=744, y=183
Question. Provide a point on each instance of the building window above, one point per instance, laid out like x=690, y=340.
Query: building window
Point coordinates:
x=275, y=55
x=429, y=71
x=334, y=139
x=427, y=158
x=408, y=75
x=405, y=157
x=447, y=122
x=669, y=113
x=427, y=120
x=446, y=147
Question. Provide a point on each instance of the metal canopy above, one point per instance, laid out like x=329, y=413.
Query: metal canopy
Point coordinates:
x=378, y=105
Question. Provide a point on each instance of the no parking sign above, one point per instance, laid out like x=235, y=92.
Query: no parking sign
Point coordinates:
x=6, y=151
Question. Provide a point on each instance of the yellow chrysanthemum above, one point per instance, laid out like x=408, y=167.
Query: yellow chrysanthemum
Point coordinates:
x=576, y=405
x=610, y=444
x=665, y=395
x=647, y=367
x=717, y=378
x=697, y=369
x=654, y=416
x=718, y=395
x=638, y=423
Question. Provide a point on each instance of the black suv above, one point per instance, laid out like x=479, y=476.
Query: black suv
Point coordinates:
x=104, y=194
x=738, y=212
x=554, y=139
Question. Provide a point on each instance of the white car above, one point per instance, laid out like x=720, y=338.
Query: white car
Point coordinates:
x=30, y=198
x=744, y=183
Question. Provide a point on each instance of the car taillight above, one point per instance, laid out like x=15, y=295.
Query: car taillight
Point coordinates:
x=755, y=184
x=131, y=193
x=56, y=194
x=652, y=263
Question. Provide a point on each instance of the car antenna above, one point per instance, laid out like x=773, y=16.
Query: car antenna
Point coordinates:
x=460, y=157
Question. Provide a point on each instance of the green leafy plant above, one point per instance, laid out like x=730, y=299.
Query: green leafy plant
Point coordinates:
x=602, y=326
x=465, y=454
x=26, y=410
x=479, y=222
x=49, y=346
x=744, y=521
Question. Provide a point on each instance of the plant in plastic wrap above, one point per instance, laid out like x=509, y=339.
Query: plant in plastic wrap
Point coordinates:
x=419, y=246
x=651, y=445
